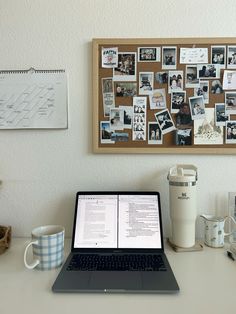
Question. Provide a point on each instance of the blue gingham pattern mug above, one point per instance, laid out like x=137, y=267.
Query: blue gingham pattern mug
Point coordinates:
x=48, y=247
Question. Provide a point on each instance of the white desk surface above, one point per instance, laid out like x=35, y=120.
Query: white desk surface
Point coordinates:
x=207, y=281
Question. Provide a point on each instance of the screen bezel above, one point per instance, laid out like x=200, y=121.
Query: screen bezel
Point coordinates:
x=116, y=250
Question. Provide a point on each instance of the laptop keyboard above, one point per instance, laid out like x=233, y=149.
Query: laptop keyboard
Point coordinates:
x=130, y=262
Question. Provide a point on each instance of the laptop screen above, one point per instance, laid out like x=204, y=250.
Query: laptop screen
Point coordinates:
x=118, y=220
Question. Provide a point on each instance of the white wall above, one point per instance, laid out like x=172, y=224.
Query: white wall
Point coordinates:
x=41, y=170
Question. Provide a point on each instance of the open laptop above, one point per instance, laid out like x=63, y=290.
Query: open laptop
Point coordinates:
x=117, y=246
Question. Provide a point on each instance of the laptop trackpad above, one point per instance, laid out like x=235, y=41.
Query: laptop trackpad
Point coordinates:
x=115, y=280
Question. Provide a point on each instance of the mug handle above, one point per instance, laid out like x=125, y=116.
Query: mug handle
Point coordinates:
x=35, y=262
x=229, y=233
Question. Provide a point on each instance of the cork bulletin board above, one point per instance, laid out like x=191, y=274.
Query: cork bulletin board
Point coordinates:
x=169, y=96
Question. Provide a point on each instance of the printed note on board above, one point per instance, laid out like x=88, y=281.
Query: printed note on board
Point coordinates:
x=33, y=99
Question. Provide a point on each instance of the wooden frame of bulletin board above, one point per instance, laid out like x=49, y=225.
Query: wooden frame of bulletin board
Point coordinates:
x=141, y=90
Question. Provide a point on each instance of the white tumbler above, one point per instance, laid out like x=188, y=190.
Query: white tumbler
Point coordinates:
x=183, y=204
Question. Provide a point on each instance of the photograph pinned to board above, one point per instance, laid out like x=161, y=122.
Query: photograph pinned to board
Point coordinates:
x=230, y=134
x=208, y=71
x=206, y=132
x=154, y=134
x=146, y=80
x=139, y=118
x=193, y=55
x=220, y=114
x=157, y=99
x=128, y=116
x=231, y=57
x=183, y=137
x=161, y=77
x=230, y=103
x=197, y=107
x=191, y=79
x=165, y=121
x=149, y=54
x=183, y=117
x=175, y=81
x=107, y=85
x=203, y=90
x=229, y=79
x=33, y=99
x=218, y=56
x=125, y=89
x=117, y=119
x=177, y=99
x=169, y=57
x=109, y=57
x=126, y=69
x=107, y=95
x=216, y=87
x=119, y=137
x=105, y=132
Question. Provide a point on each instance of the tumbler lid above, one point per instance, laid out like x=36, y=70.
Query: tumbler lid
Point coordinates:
x=182, y=173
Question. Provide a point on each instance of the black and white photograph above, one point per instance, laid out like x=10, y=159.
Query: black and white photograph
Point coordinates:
x=230, y=134
x=175, y=81
x=216, y=87
x=128, y=116
x=203, y=90
x=191, y=79
x=177, y=99
x=108, y=103
x=105, y=132
x=183, y=116
x=161, y=77
x=117, y=119
x=208, y=71
x=165, y=121
x=149, y=54
x=220, y=114
x=125, y=89
x=146, y=80
x=218, y=56
x=230, y=102
x=107, y=85
x=206, y=132
x=126, y=70
x=139, y=118
x=197, y=107
x=157, y=99
x=231, y=57
x=169, y=57
x=119, y=137
x=154, y=133
x=183, y=137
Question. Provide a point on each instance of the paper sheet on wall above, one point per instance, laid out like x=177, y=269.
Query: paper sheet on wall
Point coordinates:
x=33, y=99
x=193, y=55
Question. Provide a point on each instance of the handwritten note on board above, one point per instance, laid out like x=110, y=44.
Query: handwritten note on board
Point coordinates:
x=33, y=99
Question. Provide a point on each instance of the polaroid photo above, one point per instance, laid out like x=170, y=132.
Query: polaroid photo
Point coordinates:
x=229, y=80
x=220, y=114
x=139, y=118
x=183, y=117
x=105, y=132
x=169, y=57
x=117, y=119
x=218, y=56
x=216, y=87
x=154, y=133
x=197, y=107
x=231, y=57
x=203, y=90
x=206, y=132
x=157, y=99
x=108, y=103
x=126, y=69
x=230, y=134
x=109, y=57
x=107, y=85
x=161, y=77
x=183, y=137
x=191, y=79
x=193, y=55
x=230, y=103
x=165, y=121
x=125, y=89
x=119, y=137
x=177, y=99
x=149, y=54
x=146, y=80
x=208, y=71
x=128, y=116
x=175, y=81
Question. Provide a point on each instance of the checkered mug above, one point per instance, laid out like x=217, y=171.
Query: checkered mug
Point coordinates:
x=48, y=247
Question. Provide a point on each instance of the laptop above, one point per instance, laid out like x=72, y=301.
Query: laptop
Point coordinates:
x=117, y=246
